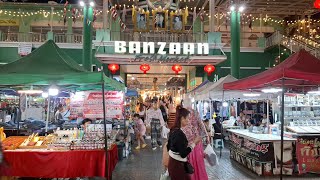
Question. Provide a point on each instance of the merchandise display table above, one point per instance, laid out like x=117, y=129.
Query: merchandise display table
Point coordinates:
x=261, y=152
x=307, y=148
x=59, y=164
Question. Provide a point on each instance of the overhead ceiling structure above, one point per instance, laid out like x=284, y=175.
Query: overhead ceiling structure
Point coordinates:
x=146, y=81
x=280, y=8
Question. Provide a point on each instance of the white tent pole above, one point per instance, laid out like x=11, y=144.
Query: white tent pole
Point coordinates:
x=267, y=113
x=48, y=114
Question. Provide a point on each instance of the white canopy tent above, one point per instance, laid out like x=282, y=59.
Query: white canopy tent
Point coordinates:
x=214, y=91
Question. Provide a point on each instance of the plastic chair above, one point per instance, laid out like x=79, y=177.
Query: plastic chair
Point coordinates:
x=218, y=143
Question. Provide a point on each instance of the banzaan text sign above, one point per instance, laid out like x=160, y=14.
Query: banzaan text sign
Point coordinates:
x=180, y=52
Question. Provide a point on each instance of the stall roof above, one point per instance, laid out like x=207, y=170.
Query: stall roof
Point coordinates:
x=300, y=69
x=215, y=88
x=47, y=65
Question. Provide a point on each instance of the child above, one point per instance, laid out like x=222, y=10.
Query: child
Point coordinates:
x=140, y=130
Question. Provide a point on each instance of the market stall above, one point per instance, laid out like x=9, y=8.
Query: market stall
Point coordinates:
x=261, y=152
x=61, y=154
x=298, y=74
x=47, y=67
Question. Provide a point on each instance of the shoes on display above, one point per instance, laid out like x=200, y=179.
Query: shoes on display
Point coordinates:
x=138, y=147
x=148, y=137
x=154, y=148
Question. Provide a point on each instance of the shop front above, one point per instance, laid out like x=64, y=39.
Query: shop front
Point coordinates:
x=294, y=135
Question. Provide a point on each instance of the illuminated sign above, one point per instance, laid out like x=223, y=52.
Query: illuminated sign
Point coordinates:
x=150, y=48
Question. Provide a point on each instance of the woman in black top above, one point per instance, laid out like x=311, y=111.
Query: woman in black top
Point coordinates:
x=178, y=146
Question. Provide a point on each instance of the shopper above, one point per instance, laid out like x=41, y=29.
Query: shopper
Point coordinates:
x=179, y=147
x=142, y=111
x=58, y=115
x=154, y=120
x=164, y=111
x=194, y=129
x=241, y=120
x=208, y=128
x=140, y=131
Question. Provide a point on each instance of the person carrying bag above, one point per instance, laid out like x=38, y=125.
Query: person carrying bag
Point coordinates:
x=179, y=168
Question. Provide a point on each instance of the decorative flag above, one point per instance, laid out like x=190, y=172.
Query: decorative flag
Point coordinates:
x=114, y=13
x=133, y=13
x=201, y=16
x=94, y=15
x=194, y=15
x=65, y=12
x=124, y=13
x=123, y=26
x=74, y=15
x=186, y=14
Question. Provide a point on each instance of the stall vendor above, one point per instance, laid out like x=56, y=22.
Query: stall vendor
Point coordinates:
x=85, y=123
x=264, y=121
x=242, y=120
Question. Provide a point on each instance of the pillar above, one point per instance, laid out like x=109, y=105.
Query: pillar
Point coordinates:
x=70, y=38
x=211, y=15
x=105, y=14
x=235, y=43
x=87, y=37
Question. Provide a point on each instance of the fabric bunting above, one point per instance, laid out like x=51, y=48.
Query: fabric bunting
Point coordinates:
x=124, y=13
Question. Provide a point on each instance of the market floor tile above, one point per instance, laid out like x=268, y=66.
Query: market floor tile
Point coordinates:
x=146, y=164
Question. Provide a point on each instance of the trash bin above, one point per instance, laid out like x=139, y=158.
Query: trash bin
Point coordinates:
x=121, y=148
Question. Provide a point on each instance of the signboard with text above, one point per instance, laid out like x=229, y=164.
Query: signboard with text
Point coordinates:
x=308, y=154
x=90, y=105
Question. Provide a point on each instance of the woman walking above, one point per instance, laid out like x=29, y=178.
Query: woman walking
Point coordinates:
x=178, y=146
x=196, y=128
x=154, y=120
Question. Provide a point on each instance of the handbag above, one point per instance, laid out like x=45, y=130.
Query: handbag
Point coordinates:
x=165, y=176
x=211, y=156
x=188, y=168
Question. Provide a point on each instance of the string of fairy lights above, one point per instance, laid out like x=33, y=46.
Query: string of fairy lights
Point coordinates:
x=246, y=18
x=45, y=13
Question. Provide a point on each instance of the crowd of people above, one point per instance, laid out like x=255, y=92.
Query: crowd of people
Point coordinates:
x=183, y=144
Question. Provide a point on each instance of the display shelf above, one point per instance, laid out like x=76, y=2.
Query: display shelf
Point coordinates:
x=259, y=137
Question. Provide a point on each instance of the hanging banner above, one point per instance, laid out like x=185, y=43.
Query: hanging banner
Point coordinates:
x=89, y=105
x=9, y=22
x=308, y=154
x=24, y=49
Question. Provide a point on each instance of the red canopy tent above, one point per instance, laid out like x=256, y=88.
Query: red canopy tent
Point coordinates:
x=300, y=69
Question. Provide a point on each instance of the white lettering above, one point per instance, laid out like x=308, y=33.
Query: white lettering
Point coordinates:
x=174, y=48
x=149, y=48
x=146, y=46
x=161, y=48
x=120, y=47
x=204, y=47
x=188, y=48
x=134, y=47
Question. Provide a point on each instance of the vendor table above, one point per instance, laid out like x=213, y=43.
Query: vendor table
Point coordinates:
x=307, y=148
x=59, y=164
x=261, y=152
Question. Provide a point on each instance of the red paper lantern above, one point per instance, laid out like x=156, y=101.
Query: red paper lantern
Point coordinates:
x=316, y=4
x=113, y=68
x=209, y=69
x=176, y=68
x=144, y=68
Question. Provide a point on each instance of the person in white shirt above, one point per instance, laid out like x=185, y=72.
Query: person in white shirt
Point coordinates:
x=154, y=120
x=264, y=121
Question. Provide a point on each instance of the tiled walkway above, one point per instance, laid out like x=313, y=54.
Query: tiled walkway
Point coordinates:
x=147, y=165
